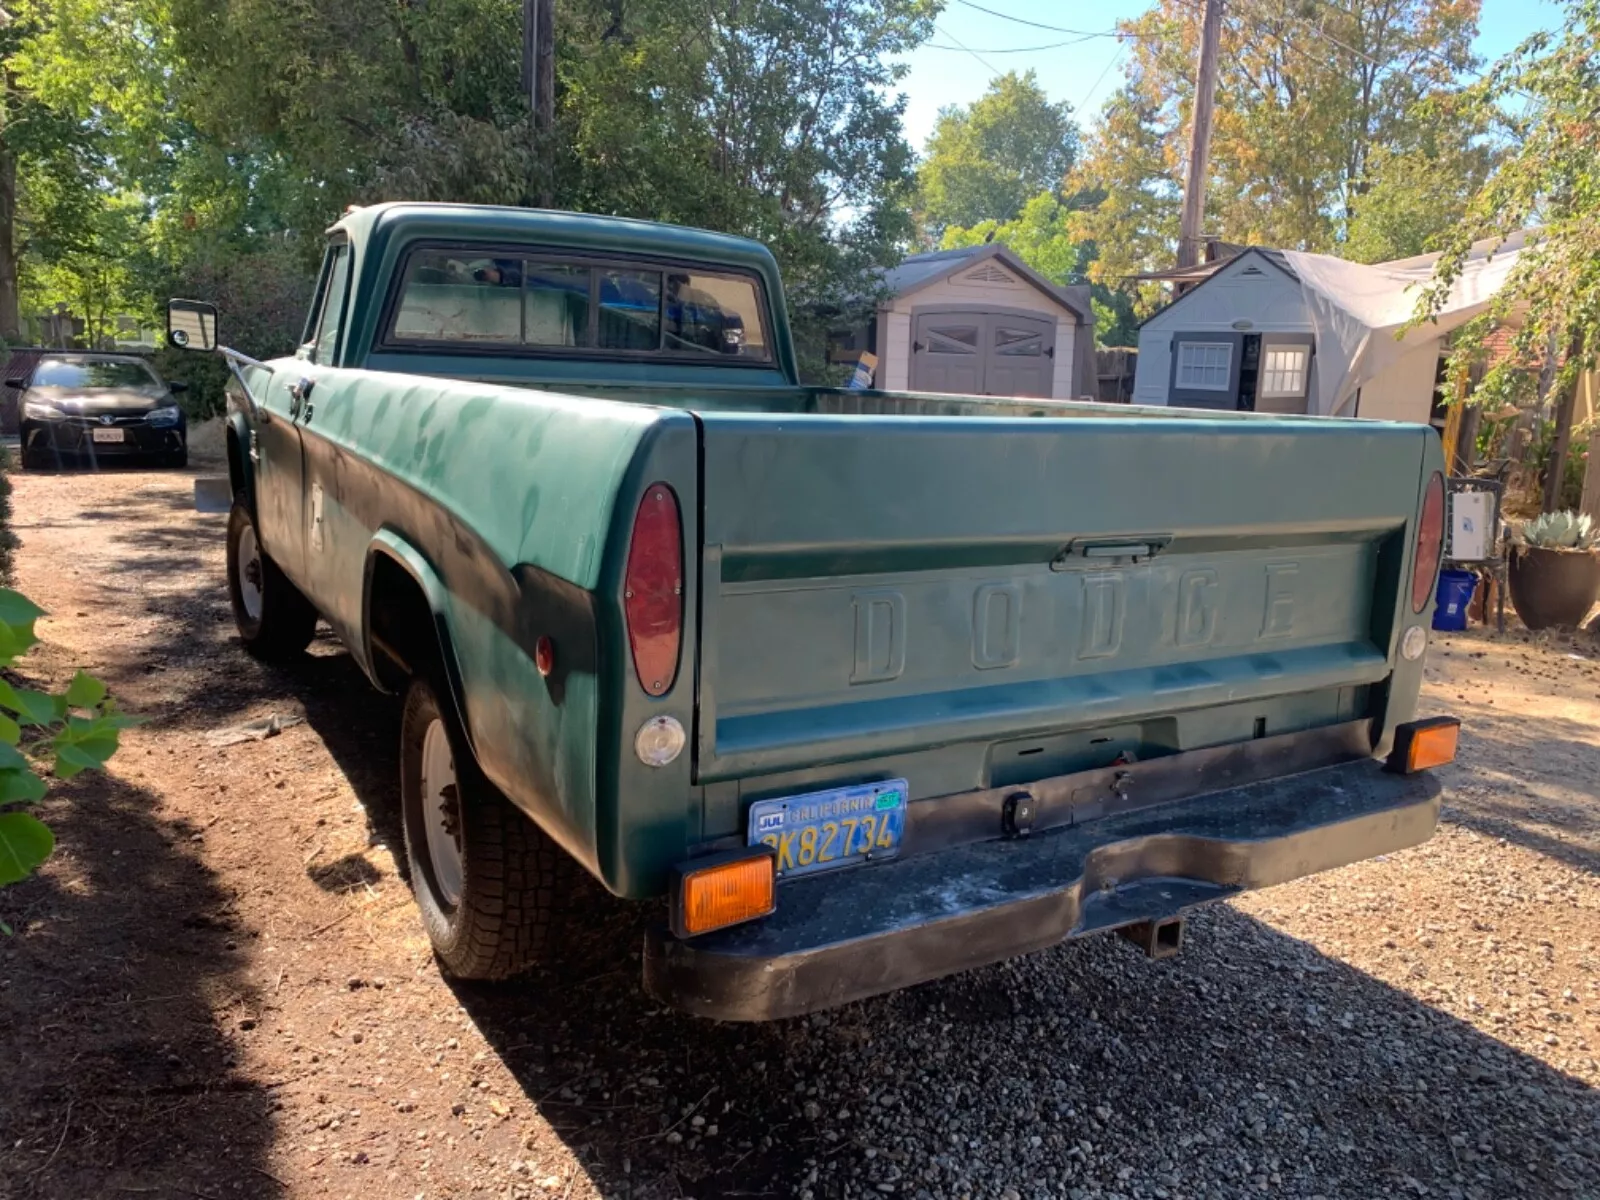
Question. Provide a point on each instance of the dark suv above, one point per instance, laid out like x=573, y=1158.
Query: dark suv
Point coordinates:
x=99, y=407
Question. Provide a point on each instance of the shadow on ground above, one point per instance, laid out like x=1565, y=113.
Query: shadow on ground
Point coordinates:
x=117, y=1077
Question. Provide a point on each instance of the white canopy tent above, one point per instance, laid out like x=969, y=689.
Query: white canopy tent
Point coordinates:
x=1358, y=309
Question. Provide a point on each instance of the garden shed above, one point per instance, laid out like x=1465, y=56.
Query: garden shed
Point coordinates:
x=1290, y=332
x=976, y=321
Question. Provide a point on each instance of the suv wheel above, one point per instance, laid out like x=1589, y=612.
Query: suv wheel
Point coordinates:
x=274, y=619
x=488, y=882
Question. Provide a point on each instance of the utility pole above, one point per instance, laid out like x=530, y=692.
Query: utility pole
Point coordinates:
x=539, y=78
x=1191, y=223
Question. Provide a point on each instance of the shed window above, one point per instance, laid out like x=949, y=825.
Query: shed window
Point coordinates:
x=1204, y=366
x=1283, y=373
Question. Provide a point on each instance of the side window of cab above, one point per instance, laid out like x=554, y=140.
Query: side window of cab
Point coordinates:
x=328, y=312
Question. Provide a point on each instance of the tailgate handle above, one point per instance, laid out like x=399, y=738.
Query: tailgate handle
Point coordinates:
x=1111, y=551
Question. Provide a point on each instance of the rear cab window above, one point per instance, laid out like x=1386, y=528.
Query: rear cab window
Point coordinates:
x=524, y=302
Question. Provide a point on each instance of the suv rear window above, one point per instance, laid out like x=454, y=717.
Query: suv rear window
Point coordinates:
x=511, y=301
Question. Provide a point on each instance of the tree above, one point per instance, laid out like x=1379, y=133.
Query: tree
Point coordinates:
x=1319, y=106
x=1411, y=199
x=1127, y=201
x=769, y=118
x=986, y=161
x=1549, y=182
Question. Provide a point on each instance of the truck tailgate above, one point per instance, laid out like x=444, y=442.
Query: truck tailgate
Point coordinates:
x=878, y=587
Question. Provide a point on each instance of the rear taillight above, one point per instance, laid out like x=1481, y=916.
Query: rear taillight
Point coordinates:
x=652, y=599
x=1430, y=544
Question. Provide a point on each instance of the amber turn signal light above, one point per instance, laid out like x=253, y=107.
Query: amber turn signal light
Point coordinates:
x=723, y=889
x=1419, y=745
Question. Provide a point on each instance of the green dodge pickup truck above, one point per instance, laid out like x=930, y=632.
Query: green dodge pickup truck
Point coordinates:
x=859, y=688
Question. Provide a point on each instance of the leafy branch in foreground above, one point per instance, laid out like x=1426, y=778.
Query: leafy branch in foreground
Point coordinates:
x=70, y=732
x=1548, y=189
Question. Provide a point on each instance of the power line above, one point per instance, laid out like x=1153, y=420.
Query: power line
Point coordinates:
x=1115, y=59
x=1013, y=49
x=1037, y=24
x=987, y=64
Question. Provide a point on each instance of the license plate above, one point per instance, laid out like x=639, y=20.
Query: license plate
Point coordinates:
x=108, y=435
x=837, y=828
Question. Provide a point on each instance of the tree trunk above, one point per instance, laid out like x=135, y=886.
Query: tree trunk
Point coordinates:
x=1556, y=469
x=10, y=311
x=1467, y=441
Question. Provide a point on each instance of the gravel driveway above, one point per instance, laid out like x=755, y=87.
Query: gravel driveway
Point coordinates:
x=219, y=987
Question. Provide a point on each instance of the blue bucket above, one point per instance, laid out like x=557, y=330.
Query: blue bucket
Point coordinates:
x=1454, y=595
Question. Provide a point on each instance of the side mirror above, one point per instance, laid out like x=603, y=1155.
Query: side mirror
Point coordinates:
x=176, y=386
x=191, y=325
x=17, y=383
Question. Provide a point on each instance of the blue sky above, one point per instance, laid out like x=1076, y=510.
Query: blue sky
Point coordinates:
x=1088, y=71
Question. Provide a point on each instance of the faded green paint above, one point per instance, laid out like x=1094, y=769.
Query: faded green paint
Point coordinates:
x=879, y=587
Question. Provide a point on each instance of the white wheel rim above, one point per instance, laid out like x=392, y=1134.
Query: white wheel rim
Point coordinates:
x=250, y=572
x=441, y=812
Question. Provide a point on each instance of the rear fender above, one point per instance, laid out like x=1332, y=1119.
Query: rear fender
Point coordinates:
x=387, y=544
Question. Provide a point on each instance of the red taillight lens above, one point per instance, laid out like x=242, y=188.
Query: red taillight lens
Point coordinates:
x=1430, y=544
x=653, y=590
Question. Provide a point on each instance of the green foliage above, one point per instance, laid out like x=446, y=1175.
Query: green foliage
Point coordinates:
x=774, y=118
x=1041, y=234
x=1127, y=206
x=71, y=732
x=8, y=538
x=1549, y=183
x=987, y=161
x=1541, y=451
x=1410, y=200
x=1560, y=531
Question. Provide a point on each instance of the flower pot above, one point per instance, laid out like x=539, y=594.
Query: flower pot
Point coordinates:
x=1553, y=588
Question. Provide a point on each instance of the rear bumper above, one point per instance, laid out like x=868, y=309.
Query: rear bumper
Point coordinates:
x=842, y=937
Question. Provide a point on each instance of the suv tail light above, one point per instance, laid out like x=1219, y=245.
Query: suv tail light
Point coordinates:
x=652, y=601
x=1430, y=544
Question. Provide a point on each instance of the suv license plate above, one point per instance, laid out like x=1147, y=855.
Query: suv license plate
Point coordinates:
x=820, y=831
x=108, y=435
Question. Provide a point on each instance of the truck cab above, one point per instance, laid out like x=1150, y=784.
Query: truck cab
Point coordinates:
x=859, y=688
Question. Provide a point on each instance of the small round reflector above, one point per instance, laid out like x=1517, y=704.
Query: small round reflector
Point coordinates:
x=1430, y=544
x=544, y=654
x=1414, y=643
x=659, y=741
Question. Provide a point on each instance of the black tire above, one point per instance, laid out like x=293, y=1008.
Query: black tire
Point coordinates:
x=36, y=460
x=286, y=622
x=513, y=877
x=178, y=457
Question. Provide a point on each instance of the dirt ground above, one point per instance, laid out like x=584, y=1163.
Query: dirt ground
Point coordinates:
x=219, y=986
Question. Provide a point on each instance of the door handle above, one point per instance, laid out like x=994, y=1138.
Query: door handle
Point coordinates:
x=300, y=396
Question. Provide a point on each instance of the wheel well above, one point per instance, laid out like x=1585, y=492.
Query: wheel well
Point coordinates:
x=400, y=625
x=235, y=463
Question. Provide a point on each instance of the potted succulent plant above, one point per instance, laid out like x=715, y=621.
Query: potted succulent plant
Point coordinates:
x=1555, y=570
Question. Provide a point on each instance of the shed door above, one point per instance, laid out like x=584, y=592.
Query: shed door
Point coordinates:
x=983, y=354
x=947, y=353
x=1021, y=358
